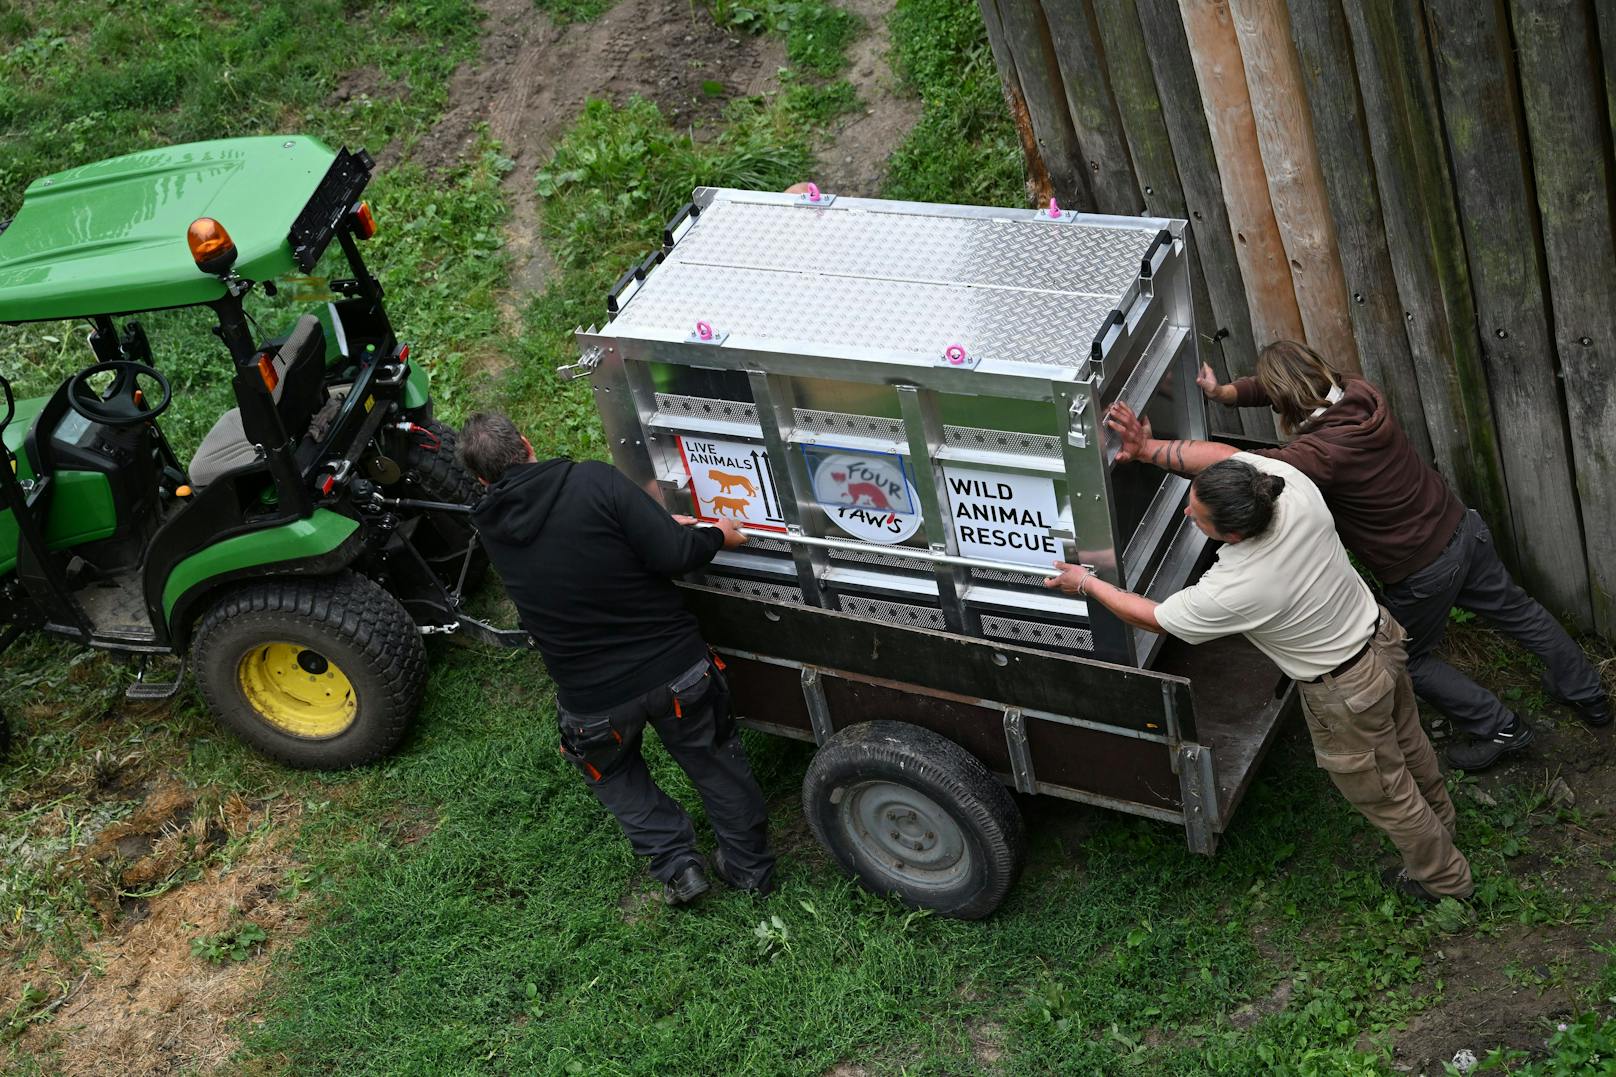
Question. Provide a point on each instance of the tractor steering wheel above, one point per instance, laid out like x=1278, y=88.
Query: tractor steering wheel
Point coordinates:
x=124, y=403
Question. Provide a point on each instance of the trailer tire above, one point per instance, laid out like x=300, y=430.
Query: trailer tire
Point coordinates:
x=318, y=673
x=907, y=811
x=438, y=475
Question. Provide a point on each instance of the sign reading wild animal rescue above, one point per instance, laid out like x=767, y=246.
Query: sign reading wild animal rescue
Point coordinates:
x=730, y=480
x=1003, y=517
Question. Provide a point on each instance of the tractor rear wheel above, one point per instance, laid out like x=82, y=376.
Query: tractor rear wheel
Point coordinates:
x=319, y=673
x=436, y=474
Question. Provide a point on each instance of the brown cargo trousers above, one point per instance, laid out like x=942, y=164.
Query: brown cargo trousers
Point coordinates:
x=1367, y=735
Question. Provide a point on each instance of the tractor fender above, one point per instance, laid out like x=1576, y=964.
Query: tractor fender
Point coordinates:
x=324, y=543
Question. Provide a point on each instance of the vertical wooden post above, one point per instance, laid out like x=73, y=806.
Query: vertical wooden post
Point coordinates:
x=1179, y=96
x=1039, y=186
x=1027, y=36
x=1607, y=48
x=1325, y=54
x=1486, y=139
x=1094, y=113
x=1295, y=186
x=1427, y=253
x=1222, y=77
x=1140, y=108
x=1565, y=108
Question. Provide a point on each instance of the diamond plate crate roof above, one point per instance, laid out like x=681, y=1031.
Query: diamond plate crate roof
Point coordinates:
x=890, y=280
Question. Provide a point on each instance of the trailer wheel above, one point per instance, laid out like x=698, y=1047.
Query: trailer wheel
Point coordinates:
x=319, y=673
x=908, y=812
x=436, y=474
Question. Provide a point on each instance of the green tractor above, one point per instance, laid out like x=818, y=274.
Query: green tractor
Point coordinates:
x=321, y=528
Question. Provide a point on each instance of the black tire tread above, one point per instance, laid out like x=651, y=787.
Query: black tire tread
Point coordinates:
x=438, y=475
x=918, y=753
x=356, y=609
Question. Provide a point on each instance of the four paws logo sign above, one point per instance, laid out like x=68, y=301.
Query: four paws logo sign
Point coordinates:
x=868, y=495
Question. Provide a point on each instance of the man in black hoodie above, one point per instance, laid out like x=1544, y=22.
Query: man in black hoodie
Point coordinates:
x=1398, y=517
x=588, y=558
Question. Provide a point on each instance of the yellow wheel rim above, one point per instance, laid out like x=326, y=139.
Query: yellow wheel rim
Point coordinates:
x=297, y=690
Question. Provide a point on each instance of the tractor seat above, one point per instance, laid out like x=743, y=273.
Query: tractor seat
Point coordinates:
x=299, y=391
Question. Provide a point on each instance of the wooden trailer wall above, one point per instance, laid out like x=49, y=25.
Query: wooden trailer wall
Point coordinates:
x=1421, y=189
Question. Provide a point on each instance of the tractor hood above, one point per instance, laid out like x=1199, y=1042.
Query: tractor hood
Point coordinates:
x=109, y=238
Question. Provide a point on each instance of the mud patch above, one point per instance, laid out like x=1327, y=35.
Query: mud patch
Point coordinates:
x=1505, y=991
x=147, y=1005
x=531, y=79
x=855, y=163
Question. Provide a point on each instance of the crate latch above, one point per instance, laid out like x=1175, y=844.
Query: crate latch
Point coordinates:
x=1078, y=435
x=585, y=365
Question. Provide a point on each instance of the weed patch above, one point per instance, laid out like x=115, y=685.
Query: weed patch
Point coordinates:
x=964, y=149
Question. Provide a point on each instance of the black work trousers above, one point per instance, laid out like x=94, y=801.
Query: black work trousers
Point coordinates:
x=1468, y=574
x=692, y=717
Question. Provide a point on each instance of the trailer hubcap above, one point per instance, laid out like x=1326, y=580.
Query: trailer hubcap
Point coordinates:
x=297, y=690
x=906, y=832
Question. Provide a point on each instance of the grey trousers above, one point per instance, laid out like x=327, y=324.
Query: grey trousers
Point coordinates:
x=692, y=718
x=1468, y=574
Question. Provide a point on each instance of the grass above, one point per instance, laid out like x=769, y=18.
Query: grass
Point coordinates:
x=478, y=913
x=964, y=149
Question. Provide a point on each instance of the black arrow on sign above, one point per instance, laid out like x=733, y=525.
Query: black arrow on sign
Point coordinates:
x=760, y=465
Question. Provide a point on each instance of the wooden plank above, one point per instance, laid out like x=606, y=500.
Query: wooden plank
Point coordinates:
x=1295, y=185
x=1215, y=53
x=958, y=666
x=1093, y=111
x=1179, y=97
x=1039, y=186
x=1027, y=36
x=1486, y=138
x=1134, y=87
x=1427, y=254
x=1561, y=85
x=1607, y=48
x=1324, y=50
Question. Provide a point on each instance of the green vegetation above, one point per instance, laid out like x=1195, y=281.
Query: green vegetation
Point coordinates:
x=964, y=149
x=474, y=911
x=816, y=32
x=574, y=10
x=234, y=943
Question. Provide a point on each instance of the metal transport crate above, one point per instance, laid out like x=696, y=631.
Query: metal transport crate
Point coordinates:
x=903, y=405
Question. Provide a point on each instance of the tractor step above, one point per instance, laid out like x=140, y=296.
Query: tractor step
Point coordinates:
x=143, y=689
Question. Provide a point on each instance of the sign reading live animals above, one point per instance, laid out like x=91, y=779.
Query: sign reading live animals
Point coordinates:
x=1003, y=517
x=731, y=480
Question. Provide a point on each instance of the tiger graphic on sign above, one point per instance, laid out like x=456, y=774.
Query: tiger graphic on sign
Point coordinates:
x=735, y=506
x=725, y=480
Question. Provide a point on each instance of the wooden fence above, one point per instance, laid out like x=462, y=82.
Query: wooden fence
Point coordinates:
x=1421, y=189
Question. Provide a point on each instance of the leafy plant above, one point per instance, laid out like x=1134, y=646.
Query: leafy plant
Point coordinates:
x=816, y=32
x=774, y=938
x=234, y=943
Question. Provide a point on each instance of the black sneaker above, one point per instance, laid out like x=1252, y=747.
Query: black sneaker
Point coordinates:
x=1397, y=878
x=1595, y=714
x=685, y=887
x=763, y=889
x=1479, y=753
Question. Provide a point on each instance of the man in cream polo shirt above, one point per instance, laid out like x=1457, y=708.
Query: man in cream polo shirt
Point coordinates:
x=1283, y=580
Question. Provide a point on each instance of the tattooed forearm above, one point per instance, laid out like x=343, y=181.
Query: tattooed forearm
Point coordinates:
x=1169, y=456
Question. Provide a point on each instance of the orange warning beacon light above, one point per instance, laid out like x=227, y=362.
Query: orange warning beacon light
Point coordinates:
x=364, y=221
x=211, y=246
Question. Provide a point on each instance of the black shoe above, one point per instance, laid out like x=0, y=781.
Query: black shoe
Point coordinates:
x=763, y=889
x=1596, y=713
x=685, y=887
x=1397, y=878
x=1479, y=753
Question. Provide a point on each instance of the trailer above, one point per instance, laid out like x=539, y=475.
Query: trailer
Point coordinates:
x=902, y=405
